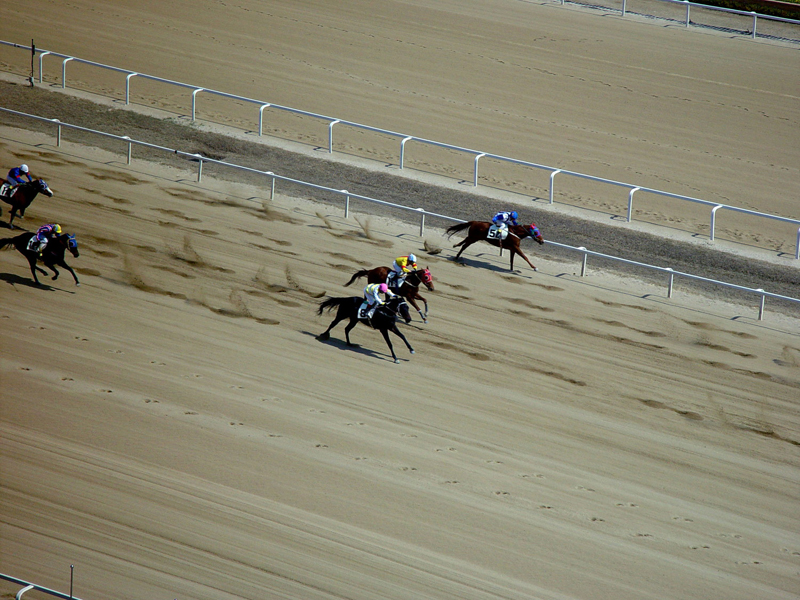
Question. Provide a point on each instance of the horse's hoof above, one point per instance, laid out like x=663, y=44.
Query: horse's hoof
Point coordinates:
x=323, y=336
x=78, y=284
x=412, y=352
x=397, y=361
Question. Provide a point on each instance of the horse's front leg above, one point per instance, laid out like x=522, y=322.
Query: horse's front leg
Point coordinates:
x=424, y=315
x=399, y=333
x=522, y=254
x=385, y=333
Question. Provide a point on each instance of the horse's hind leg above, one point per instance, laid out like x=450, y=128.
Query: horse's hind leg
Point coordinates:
x=327, y=333
x=34, y=268
x=466, y=244
x=349, y=328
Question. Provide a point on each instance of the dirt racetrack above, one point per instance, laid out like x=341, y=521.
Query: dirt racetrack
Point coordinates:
x=173, y=428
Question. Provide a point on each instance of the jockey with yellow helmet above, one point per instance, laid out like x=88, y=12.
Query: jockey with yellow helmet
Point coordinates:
x=43, y=235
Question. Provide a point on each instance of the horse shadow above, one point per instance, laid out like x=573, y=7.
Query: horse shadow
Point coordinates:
x=356, y=348
x=12, y=279
x=475, y=261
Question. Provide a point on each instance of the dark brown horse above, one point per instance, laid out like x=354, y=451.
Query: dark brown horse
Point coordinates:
x=479, y=231
x=53, y=253
x=22, y=196
x=384, y=318
x=410, y=288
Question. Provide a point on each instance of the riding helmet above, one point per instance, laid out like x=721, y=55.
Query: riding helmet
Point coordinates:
x=412, y=258
x=513, y=214
x=23, y=168
x=57, y=229
x=383, y=288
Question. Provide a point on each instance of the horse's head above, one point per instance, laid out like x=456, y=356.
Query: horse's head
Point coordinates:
x=425, y=277
x=400, y=306
x=41, y=187
x=68, y=241
x=534, y=232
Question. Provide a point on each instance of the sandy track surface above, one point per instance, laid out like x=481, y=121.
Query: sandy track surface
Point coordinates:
x=173, y=428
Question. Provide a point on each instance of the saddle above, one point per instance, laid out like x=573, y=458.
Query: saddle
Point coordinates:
x=395, y=280
x=497, y=232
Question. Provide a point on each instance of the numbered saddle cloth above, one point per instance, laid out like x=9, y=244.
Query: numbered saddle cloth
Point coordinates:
x=497, y=233
x=364, y=312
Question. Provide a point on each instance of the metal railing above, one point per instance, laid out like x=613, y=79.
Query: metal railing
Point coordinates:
x=28, y=586
x=404, y=139
x=422, y=213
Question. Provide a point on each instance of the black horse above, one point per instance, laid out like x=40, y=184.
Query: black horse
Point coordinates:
x=384, y=319
x=22, y=196
x=53, y=253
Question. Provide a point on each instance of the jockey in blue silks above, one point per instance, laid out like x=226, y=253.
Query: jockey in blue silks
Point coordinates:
x=502, y=219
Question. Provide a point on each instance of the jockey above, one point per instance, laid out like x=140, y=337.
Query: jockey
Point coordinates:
x=15, y=177
x=403, y=265
x=44, y=234
x=16, y=174
x=502, y=219
x=372, y=296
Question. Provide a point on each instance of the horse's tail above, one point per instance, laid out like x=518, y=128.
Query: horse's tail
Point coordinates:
x=456, y=228
x=331, y=303
x=361, y=273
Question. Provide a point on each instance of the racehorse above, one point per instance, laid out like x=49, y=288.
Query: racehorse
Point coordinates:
x=410, y=288
x=384, y=318
x=479, y=232
x=53, y=253
x=23, y=195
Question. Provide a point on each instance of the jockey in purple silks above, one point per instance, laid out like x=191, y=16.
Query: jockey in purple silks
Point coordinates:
x=44, y=233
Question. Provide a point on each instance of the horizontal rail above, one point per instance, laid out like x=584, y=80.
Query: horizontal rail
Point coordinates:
x=419, y=211
x=407, y=138
x=27, y=586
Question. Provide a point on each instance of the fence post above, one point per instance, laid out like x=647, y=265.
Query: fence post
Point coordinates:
x=552, y=183
x=330, y=135
x=477, y=158
x=64, y=72
x=23, y=590
x=585, y=258
x=761, y=305
x=403, y=149
x=422, y=222
x=194, y=102
x=199, y=167
x=714, y=220
x=58, y=143
x=41, y=57
x=755, y=19
x=688, y=6
x=624, y=2
x=128, y=87
x=272, y=188
x=130, y=147
x=346, y=204
x=261, y=117
x=671, y=280
x=630, y=202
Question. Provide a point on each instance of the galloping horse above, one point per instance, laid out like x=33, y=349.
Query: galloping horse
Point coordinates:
x=384, y=319
x=410, y=288
x=53, y=253
x=479, y=232
x=22, y=197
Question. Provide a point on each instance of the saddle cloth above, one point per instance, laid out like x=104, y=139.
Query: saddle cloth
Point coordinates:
x=4, y=187
x=33, y=244
x=395, y=280
x=497, y=233
x=365, y=313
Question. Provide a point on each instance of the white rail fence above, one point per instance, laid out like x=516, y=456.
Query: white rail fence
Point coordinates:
x=27, y=586
x=420, y=212
x=404, y=139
